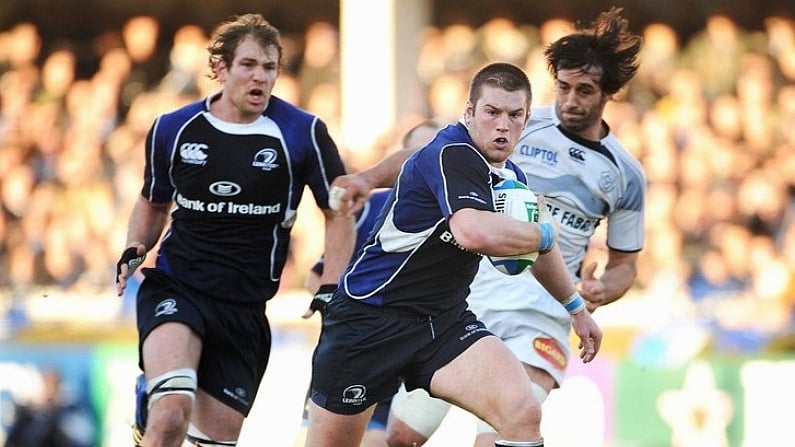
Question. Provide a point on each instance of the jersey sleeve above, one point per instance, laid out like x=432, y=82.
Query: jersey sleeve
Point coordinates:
x=328, y=165
x=157, y=186
x=626, y=224
x=463, y=180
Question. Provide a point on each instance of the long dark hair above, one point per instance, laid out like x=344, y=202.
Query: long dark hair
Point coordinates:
x=607, y=45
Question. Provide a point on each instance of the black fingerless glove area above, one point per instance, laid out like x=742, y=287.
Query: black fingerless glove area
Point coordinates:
x=131, y=258
x=322, y=298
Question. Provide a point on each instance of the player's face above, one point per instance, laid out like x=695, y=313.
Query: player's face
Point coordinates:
x=496, y=121
x=248, y=82
x=580, y=101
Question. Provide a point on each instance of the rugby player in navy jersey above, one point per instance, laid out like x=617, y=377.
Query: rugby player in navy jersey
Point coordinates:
x=228, y=172
x=400, y=312
x=587, y=178
x=415, y=138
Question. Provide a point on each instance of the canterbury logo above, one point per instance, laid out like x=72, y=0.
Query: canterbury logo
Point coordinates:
x=577, y=154
x=193, y=153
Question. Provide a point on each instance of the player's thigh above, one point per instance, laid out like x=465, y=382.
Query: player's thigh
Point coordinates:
x=374, y=438
x=486, y=379
x=216, y=419
x=170, y=346
x=329, y=429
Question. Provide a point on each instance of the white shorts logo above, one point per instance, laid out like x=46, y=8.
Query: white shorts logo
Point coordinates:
x=166, y=307
x=354, y=395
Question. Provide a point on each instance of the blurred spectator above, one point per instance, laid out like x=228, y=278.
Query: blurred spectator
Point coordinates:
x=140, y=35
x=320, y=61
x=49, y=420
x=188, y=61
x=22, y=44
x=659, y=60
x=502, y=40
x=714, y=54
x=57, y=74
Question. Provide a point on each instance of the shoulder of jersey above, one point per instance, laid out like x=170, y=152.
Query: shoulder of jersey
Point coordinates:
x=281, y=107
x=540, y=117
x=186, y=111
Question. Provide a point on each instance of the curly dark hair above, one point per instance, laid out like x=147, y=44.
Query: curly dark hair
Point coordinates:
x=229, y=34
x=606, y=45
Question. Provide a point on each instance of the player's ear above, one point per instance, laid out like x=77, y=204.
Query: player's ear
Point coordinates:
x=469, y=112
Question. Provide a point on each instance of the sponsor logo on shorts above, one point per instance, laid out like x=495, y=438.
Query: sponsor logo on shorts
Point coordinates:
x=239, y=395
x=470, y=330
x=354, y=395
x=548, y=349
x=166, y=307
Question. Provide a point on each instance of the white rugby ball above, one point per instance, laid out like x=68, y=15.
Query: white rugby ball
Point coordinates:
x=515, y=199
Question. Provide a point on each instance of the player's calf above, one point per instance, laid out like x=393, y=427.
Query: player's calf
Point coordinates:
x=141, y=410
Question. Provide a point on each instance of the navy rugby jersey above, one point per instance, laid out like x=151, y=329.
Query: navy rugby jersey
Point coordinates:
x=584, y=182
x=236, y=189
x=411, y=261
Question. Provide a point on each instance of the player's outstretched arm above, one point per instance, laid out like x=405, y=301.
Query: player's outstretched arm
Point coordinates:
x=350, y=192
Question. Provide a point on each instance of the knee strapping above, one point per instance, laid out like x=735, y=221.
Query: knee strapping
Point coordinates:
x=179, y=381
x=196, y=437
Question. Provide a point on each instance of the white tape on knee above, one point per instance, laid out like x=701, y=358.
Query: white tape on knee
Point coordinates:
x=417, y=409
x=180, y=381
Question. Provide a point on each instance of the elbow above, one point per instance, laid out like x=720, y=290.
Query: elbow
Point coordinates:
x=471, y=230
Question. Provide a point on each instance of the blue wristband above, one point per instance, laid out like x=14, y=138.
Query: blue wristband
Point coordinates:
x=547, y=236
x=575, y=304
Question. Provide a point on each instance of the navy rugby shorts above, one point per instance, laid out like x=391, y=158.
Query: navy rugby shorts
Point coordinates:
x=364, y=351
x=236, y=338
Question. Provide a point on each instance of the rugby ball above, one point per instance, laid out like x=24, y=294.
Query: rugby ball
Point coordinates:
x=515, y=199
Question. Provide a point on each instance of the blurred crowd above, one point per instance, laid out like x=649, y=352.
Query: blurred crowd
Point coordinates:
x=711, y=118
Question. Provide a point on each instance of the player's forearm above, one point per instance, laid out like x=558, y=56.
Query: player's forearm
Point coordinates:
x=146, y=223
x=617, y=281
x=494, y=234
x=385, y=173
x=551, y=272
x=339, y=242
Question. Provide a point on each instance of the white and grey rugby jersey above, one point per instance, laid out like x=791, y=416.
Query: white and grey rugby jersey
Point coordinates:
x=584, y=183
x=236, y=189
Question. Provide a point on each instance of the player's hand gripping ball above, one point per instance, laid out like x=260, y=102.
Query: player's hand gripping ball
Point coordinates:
x=515, y=199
